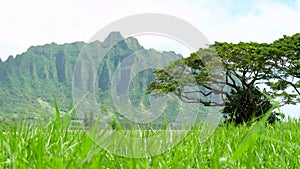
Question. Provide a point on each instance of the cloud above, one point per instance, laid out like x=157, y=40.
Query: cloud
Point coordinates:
x=265, y=21
x=33, y=22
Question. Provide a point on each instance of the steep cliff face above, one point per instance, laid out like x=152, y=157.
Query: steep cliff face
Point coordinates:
x=44, y=71
x=60, y=67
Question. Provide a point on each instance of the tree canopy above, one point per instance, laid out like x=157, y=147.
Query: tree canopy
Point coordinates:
x=286, y=58
x=237, y=72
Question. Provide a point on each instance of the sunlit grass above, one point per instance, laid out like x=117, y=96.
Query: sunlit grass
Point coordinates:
x=55, y=146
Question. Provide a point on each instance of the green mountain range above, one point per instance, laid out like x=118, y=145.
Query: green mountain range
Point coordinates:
x=30, y=81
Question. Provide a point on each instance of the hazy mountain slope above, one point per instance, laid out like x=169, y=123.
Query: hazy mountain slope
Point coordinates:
x=31, y=79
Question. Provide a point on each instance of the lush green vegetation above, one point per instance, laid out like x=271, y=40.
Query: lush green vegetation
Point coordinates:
x=53, y=139
x=235, y=72
x=29, y=81
x=56, y=146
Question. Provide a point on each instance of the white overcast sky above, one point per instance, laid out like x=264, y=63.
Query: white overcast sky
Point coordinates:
x=36, y=22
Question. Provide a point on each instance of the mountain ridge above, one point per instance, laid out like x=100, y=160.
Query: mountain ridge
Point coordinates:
x=43, y=71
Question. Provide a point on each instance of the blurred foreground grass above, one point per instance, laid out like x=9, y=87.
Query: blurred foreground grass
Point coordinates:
x=54, y=145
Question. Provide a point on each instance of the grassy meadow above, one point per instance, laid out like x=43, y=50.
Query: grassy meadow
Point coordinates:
x=54, y=145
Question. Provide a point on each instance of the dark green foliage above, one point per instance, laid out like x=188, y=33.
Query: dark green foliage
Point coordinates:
x=245, y=67
x=286, y=60
x=234, y=113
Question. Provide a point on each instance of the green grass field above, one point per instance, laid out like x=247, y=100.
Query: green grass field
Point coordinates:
x=55, y=146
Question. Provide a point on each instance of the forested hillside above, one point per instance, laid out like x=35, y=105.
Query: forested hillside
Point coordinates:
x=30, y=81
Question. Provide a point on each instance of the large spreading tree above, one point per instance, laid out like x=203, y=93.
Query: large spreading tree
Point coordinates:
x=238, y=73
x=286, y=58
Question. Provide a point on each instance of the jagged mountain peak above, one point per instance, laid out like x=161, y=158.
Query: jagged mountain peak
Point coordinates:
x=10, y=57
x=45, y=69
x=113, y=38
x=133, y=43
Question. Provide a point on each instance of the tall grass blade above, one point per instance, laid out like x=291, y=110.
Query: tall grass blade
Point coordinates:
x=255, y=131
